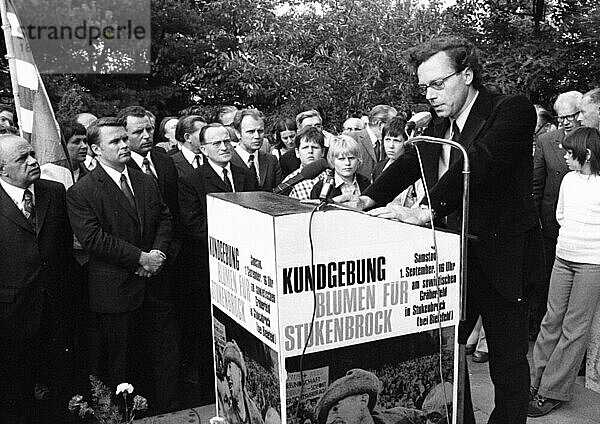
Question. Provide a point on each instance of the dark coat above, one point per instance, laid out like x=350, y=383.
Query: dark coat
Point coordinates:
x=33, y=261
x=549, y=168
x=114, y=235
x=289, y=162
x=181, y=164
x=268, y=168
x=497, y=135
x=369, y=160
x=243, y=179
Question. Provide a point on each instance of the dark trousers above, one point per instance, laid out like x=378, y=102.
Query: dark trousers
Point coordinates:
x=506, y=327
x=539, y=297
x=121, y=344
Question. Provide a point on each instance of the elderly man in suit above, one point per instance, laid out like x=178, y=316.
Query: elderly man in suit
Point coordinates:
x=187, y=134
x=118, y=215
x=249, y=126
x=497, y=133
x=589, y=109
x=549, y=168
x=34, y=256
x=370, y=138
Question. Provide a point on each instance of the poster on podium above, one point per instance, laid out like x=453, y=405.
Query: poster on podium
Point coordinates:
x=359, y=317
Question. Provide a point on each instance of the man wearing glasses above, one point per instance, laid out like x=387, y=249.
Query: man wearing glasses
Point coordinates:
x=497, y=132
x=549, y=168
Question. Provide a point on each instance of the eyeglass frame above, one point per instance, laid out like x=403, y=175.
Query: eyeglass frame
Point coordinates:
x=571, y=117
x=437, y=84
x=217, y=144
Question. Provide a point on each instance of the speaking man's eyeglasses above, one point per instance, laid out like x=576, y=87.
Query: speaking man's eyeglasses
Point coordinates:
x=569, y=118
x=437, y=84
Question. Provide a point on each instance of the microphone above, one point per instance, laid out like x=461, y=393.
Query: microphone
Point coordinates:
x=309, y=172
x=327, y=186
x=418, y=120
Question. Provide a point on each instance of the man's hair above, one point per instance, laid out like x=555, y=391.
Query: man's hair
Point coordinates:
x=224, y=110
x=579, y=141
x=381, y=113
x=241, y=114
x=160, y=134
x=571, y=98
x=283, y=124
x=343, y=145
x=307, y=114
x=394, y=128
x=202, y=135
x=93, y=131
x=462, y=55
x=186, y=125
x=310, y=134
x=594, y=96
x=70, y=128
x=151, y=116
x=135, y=111
x=544, y=115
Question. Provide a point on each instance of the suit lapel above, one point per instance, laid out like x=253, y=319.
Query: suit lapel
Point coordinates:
x=42, y=202
x=480, y=111
x=212, y=178
x=157, y=166
x=113, y=191
x=558, y=153
x=368, y=145
x=262, y=168
x=238, y=178
x=12, y=212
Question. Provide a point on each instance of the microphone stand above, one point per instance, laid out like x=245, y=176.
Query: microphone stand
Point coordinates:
x=463, y=257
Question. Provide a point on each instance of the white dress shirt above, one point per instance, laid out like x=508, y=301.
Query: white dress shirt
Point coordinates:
x=219, y=170
x=139, y=160
x=191, y=157
x=245, y=156
x=16, y=194
x=116, y=176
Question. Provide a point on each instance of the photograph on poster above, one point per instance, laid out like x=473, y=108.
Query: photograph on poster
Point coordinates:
x=246, y=374
x=395, y=381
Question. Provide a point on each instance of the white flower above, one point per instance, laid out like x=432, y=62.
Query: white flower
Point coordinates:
x=124, y=387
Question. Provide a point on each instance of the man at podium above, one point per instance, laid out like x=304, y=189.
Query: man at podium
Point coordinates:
x=496, y=131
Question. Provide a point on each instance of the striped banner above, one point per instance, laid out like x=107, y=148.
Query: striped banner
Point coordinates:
x=36, y=117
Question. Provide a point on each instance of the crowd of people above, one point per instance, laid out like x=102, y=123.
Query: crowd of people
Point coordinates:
x=108, y=263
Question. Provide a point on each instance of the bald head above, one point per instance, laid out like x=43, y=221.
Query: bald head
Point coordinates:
x=353, y=124
x=85, y=119
x=18, y=165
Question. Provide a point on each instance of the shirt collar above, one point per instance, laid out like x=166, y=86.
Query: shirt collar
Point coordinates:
x=189, y=155
x=462, y=118
x=245, y=155
x=372, y=135
x=219, y=169
x=16, y=193
x=116, y=175
x=340, y=182
x=139, y=159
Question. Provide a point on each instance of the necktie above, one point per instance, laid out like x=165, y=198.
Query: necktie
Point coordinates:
x=227, y=181
x=454, y=153
x=127, y=191
x=377, y=148
x=251, y=164
x=147, y=169
x=196, y=162
x=28, y=210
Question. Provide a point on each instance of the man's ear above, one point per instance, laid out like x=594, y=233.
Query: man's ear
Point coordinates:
x=468, y=75
x=588, y=155
x=95, y=148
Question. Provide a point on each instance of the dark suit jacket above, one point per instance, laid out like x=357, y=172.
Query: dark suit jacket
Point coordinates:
x=497, y=136
x=549, y=168
x=289, y=163
x=268, y=168
x=243, y=179
x=114, y=235
x=363, y=183
x=32, y=260
x=378, y=169
x=368, y=153
x=181, y=164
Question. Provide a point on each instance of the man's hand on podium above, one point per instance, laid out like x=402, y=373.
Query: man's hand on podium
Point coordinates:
x=355, y=202
x=395, y=211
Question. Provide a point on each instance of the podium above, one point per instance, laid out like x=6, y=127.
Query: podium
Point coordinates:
x=288, y=320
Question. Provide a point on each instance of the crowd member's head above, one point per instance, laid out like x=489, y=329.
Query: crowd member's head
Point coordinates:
x=18, y=165
x=215, y=143
x=379, y=116
x=394, y=137
x=449, y=73
x=543, y=118
x=437, y=405
x=309, y=118
x=285, y=132
x=188, y=132
x=583, y=150
x=235, y=368
x=139, y=129
x=7, y=117
x=166, y=130
x=350, y=399
x=344, y=156
x=226, y=114
x=566, y=107
x=249, y=125
x=589, y=109
x=310, y=144
x=85, y=118
x=75, y=136
x=108, y=140
x=353, y=125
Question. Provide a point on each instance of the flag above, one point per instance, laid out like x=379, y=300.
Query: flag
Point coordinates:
x=36, y=117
